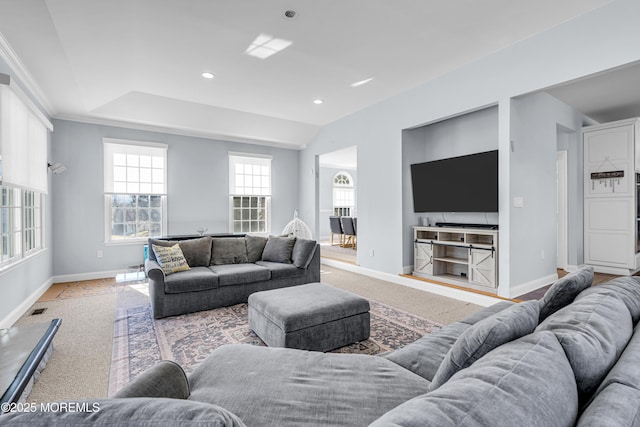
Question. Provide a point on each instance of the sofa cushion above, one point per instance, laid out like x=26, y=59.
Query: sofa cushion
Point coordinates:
x=479, y=339
x=170, y=258
x=617, y=405
x=240, y=274
x=593, y=332
x=228, y=250
x=563, y=291
x=627, y=369
x=196, y=251
x=302, y=252
x=255, y=247
x=196, y=279
x=510, y=386
x=135, y=411
x=486, y=312
x=280, y=270
x=275, y=387
x=627, y=289
x=278, y=249
x=424, y=356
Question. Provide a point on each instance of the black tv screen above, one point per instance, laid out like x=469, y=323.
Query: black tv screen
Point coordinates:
x=458, y=184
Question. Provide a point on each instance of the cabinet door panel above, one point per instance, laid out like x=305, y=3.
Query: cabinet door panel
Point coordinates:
x=608, y=150
x=423, y=258
x=608, y=249
x=482, y=267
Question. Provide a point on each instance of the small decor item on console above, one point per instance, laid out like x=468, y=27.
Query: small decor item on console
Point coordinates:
x=297, y=228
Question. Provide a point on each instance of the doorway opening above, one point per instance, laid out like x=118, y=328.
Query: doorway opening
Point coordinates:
x=337, y=207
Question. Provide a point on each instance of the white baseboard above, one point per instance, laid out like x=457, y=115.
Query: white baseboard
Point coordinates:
x=87, y=276
x=571, y=268
x=434, y=288
x=613, y=270
x=21, y=309
x=531, y=286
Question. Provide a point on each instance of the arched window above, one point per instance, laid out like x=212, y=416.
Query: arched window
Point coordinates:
x=344, y=200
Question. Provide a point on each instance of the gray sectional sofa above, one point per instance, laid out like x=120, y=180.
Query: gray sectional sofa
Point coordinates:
x=225, y=269
x=572, y=358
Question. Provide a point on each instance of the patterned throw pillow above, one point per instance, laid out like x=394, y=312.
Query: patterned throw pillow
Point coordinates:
x=170, y=258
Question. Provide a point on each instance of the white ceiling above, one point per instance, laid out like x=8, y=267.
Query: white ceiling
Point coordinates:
x=347, y=158
x=605, y=97
x=139, y=61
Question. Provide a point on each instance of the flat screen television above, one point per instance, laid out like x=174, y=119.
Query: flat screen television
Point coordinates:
x=458, y=184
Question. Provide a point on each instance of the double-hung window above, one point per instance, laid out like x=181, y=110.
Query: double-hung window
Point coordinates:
x=249, y=193
x=135, y=190
x=11, y=231
x=32, y=221
x=344, y=200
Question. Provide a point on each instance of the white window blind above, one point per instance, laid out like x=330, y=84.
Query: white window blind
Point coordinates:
x=135, y=167
x=249, y=176
x=23, y=140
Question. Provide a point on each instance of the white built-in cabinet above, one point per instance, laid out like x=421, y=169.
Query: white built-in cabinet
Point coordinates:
x=611, y=166
x=462, y=256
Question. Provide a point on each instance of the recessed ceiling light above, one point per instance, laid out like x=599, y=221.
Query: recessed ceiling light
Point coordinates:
x=318, y=101
x=290, y=14
x=361, y=82
x=207, y=75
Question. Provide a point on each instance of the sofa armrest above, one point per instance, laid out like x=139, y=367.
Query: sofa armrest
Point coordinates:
x=164, y=379
x=153, y=270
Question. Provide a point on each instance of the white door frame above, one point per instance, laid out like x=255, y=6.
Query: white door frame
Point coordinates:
x=562, y=220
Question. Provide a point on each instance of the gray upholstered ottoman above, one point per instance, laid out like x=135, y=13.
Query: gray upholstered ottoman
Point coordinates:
x=309, y=317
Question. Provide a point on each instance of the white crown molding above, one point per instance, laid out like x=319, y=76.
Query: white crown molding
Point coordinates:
x=22, y=74
x=174, y=131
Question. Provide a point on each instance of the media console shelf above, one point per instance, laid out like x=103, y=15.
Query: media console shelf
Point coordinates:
x=457, y=255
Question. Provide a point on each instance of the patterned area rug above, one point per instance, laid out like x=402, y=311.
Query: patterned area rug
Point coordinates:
x=140, y=341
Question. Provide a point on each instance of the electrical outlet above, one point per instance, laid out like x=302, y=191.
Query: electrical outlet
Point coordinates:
x=99, y=254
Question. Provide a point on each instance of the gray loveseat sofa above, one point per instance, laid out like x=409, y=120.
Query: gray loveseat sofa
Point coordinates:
x=572, y=358
x=225, y=269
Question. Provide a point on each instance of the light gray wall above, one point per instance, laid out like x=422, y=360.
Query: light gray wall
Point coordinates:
x=568, y=51
x=326, y=196
x=534, y=134
x=20, y=282
x=197, y=192
x=470, y=133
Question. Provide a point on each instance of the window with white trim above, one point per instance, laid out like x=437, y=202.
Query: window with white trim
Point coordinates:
x=344, y=199
x=11, y=219
x=249, y=193
x=32, y=221
x=135, y=180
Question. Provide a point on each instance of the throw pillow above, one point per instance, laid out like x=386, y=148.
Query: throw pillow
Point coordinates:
x=593, y=331
x=564, y=291
x=228, y=250
x=482, y=337
x=279, y=249
x=303, y=251
x=255, y=247
x=171, y=258
x=527, y=382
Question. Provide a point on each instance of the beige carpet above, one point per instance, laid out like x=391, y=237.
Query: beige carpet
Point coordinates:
x=435, y=307
x=80, y=364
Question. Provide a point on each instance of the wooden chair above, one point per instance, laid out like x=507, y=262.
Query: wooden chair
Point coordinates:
x=349, y=232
